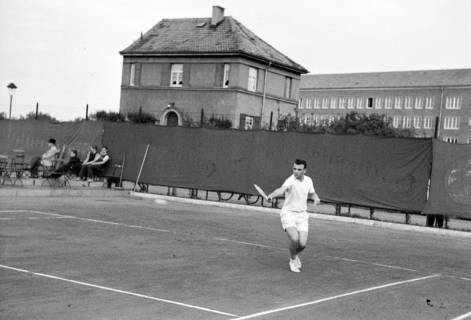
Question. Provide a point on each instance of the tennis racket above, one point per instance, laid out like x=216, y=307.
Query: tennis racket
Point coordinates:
x=261, y=192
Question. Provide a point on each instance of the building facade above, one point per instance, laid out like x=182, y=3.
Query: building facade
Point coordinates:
x=427, y=101
x=186, y=70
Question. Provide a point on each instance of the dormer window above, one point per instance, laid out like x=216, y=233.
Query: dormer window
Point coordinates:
x=176, y=75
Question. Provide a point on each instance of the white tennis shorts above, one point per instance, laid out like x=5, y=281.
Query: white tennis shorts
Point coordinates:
x=299, y=220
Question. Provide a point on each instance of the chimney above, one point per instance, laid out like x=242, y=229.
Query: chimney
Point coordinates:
x=218, y=15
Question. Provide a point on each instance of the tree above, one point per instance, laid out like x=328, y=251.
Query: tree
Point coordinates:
x=41, y=116
x=359, y=123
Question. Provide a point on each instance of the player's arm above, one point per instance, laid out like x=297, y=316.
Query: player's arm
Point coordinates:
x=314, y=197
x=278, y=192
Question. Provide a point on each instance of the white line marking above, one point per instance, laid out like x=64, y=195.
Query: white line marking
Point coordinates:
x=250, y=316
x=246, y=243
x=462, y=317
x=373, y=263
x=119, y=291
x=99, y=221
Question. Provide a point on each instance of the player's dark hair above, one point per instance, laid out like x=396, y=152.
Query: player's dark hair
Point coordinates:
x=300, y=161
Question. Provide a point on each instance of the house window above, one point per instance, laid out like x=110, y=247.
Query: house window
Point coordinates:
x=370, y=103
x=451, y=123
x=333, y=103
x=176, y=75
x=350, y=103
x=316, y=103
x=325, y=103
x=408, y=103
x=248, y=123
x=469, y=122
x=342, y=103
x=132, y=75
x=450, y=139
x=359, y=103
x=429, y=103
x=427, y=122
x=308, y=103
x=396, y=120
x=378, y=103
x=417, y=122
x=406, y=122
x=225, y=81
x=253, y=75
x=387, y=103
x=397, y=103
x=453, y=102
x=419, y=102
x=288, y=84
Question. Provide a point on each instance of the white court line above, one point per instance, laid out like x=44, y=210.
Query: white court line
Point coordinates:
x=463, y=316
x=374, y=263
x=100, y=221
x=119, y=291
x=250, y=316
x=246, y=243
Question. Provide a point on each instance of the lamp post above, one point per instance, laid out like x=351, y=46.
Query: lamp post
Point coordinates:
x=11, y=90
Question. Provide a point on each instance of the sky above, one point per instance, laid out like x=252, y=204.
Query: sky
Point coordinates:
x=64, y=54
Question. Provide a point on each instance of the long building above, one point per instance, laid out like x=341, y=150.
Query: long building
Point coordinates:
x=429, y=100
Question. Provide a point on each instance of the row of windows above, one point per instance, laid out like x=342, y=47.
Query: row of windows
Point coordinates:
x=176, y=78
x=416, y=122
x=407, y=102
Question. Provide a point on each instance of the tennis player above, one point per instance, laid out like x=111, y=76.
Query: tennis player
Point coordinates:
x=297, y=189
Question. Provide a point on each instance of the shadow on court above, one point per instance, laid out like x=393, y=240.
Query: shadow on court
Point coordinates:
x=122, y=258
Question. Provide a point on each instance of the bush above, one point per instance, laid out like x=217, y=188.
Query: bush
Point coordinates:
x=141, y=117
x=221, y=123
x=108, y=116
x=3, y=116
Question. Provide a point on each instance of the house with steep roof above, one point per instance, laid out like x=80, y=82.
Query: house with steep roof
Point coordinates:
x=184, y=71
x=432, y=102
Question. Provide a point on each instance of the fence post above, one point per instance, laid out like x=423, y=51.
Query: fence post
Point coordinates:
x=86, y=113
x=271, y=120
x=37, y=110
x=202, y=118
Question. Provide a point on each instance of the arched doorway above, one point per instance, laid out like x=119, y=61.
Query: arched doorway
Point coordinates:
x=172, y=119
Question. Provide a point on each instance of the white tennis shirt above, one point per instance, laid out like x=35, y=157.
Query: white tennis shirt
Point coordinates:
x=297, y=193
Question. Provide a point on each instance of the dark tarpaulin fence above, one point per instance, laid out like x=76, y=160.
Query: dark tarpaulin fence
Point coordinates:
x=369, y=171
x=32, y=136
x=450, y=190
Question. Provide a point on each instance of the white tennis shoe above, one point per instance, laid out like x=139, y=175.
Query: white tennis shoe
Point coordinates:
x=293, y=265
x=298, y=262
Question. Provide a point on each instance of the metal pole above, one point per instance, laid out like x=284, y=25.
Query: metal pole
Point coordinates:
x=86, y=113
x=11, y=99
x=140, y=170
x=271, y=120
x=122, y=169
x=37, y=110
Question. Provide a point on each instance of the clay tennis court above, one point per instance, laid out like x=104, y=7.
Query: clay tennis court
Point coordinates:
x=125, y=258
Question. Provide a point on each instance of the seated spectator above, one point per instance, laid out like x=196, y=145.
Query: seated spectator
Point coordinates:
x=46, y=159
x=72, y=166
x=96, y=166
x=92, y=155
